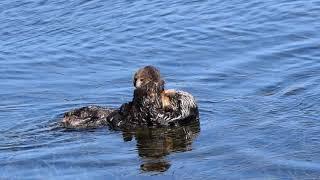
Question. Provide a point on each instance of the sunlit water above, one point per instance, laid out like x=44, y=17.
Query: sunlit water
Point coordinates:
x=254, y=67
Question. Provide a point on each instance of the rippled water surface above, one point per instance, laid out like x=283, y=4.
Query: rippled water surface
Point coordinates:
x=254, y=67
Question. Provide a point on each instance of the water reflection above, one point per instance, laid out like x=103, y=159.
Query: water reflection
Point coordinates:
x=154, y=145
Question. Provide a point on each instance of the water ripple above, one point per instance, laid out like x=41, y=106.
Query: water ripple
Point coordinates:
x=252, y=65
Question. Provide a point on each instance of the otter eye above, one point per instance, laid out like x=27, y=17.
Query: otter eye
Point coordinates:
x=141, y=79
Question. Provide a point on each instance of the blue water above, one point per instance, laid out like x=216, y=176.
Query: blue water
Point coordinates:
x=253, y=67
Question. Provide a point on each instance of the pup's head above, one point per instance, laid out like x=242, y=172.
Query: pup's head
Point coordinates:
x=148, y=75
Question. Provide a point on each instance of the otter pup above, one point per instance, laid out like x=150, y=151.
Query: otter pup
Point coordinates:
x=152, y=106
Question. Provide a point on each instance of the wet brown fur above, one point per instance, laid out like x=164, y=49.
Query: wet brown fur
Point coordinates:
x=149, y=101
x=166, y=96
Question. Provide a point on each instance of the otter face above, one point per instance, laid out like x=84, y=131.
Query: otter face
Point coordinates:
x=146, y=75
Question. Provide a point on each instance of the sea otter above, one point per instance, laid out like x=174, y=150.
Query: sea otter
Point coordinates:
x=152, y=106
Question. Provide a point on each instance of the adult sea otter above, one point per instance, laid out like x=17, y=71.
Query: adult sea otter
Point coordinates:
x=151, y=106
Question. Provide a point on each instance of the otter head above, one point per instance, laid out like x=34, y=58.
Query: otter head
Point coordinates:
x=149, y=85
x=146, y=76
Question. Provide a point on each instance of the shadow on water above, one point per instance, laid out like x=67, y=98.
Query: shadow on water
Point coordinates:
x=154, y=145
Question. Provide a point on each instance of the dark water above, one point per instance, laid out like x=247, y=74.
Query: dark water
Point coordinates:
x=254, y=67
